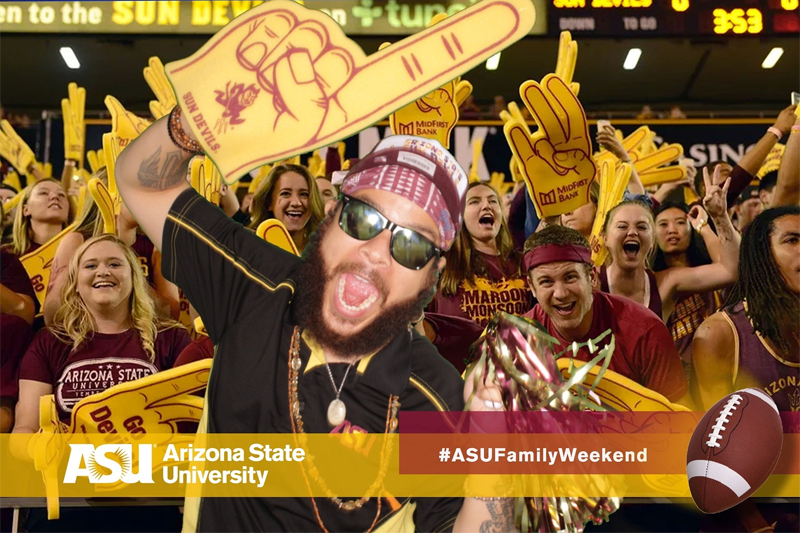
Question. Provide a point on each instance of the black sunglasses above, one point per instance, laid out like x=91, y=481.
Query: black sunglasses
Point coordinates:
x=363, y=222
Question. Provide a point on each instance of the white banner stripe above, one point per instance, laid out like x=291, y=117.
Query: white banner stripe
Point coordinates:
x=718, y=472
x=764, y=396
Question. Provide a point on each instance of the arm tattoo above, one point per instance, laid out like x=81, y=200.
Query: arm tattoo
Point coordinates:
x=502, y=513
x=153, y=174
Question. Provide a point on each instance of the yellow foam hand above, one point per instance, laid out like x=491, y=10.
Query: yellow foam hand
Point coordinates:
x=12, y=180
x=256, y=182
x=619, y=392
x=273, y=231
x=567, y=59
x=613, y=182
x=153, y=405
x=37, y=263
x=125, y=124
x=291, y=81
x=477, y=149
x=434, y=115
x=341, y=147
x=72, y=109
x=206, y=179
x=772, y=161
x=157, y=80
x=555, y=160
x=315, y=164
x=498, y=182
x=105, y=203
x=199, y=327
x=14, y=150
x=46, y=451
x=652, y=163
x=96, y=159
x=11, y=204
x=112, y=146
x=653, y=170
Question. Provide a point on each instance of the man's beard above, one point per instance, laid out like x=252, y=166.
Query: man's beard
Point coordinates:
x=309, y=299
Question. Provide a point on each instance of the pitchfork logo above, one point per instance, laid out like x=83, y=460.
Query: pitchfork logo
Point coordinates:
x=109, y=463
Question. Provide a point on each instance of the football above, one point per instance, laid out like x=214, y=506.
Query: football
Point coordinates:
x=733, y=450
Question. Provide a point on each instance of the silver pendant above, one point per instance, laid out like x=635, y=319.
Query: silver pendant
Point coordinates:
x=336, y=412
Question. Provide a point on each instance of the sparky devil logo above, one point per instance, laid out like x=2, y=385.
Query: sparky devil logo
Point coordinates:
x=236, y=99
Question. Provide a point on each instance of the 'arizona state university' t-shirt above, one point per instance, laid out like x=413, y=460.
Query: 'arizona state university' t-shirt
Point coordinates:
x=99, y=363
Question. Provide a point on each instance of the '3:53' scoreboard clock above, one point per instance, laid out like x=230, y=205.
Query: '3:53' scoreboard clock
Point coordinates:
x=690, y=18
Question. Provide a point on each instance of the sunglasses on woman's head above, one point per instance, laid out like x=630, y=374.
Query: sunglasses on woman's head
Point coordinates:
x=363, y=222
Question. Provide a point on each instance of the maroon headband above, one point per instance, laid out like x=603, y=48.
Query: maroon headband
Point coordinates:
x=552, y=253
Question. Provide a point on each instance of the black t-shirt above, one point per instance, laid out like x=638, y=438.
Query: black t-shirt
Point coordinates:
x=242, y=286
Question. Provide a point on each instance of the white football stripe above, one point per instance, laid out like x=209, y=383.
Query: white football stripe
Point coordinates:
x=764, y=396
x=718, y=472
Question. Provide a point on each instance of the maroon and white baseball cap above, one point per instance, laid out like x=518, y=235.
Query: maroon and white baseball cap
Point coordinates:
x=418, y=169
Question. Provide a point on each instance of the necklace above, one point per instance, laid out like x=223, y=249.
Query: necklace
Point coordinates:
x=337, y=410
x=646, y=301
x=301, y=439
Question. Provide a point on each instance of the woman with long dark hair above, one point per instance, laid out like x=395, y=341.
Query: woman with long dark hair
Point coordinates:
x=684, y=239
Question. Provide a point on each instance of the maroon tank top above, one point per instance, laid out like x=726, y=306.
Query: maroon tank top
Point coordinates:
x=755, y=361
x=144, y=250
x=655, y=297
x=690, y=311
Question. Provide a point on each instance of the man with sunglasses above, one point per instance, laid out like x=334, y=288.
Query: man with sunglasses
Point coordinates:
x=334, y=325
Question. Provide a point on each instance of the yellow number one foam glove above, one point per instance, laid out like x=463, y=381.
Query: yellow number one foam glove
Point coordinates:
x=273, y=231
x=153, y=405
x=156, y=78
x=567, y=59
x=477, y=149
x=96, y=159
x=206, y=179
x=72, y=109
x=613, y=182
x=14, y=150
x=105, y=203
x=556, y=159
x=434, y=115
x=290, y=81
x=38, y=262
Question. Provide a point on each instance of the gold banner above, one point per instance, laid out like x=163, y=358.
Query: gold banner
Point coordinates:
x=351, y=464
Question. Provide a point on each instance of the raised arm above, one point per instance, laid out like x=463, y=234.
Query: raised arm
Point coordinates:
x=150, y=174
x=787, y=191
x=608, y=140
x=751, y=161
x=708, y=277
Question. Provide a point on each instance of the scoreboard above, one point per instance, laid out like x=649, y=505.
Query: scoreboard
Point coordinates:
x=689, y=18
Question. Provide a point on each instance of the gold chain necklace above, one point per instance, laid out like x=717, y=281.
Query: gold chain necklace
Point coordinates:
x=301, y=439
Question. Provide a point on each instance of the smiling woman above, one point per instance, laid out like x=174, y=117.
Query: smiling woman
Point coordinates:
x=290, y=195
x=105, y=333
x=42, y=213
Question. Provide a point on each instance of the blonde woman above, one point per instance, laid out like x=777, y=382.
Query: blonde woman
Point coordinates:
x=43, y=212
x=91, y=223
x=630, y=237
x=289, y=194
x=106, y=332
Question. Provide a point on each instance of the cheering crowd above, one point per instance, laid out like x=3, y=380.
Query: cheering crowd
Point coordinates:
x=700, y=288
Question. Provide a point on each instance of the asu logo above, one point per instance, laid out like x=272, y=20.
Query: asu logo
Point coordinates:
x=235, y=99
x=109, y=463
